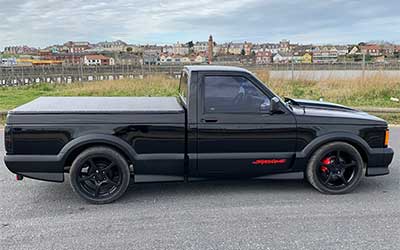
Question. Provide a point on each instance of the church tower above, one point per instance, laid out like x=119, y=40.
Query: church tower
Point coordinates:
x=210, y=49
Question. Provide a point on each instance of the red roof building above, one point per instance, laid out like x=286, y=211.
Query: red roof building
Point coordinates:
x=371, y=49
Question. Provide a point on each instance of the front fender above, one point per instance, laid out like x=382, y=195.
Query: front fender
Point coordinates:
x=377, y=159
x=331, y=137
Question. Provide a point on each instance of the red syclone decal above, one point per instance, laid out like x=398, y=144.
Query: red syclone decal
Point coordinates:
x=269, y=162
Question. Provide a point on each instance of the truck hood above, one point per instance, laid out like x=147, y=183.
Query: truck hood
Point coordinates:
x=326, y=112
x=319, y=104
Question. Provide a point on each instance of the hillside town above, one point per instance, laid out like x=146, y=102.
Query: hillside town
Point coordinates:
x=200, y=52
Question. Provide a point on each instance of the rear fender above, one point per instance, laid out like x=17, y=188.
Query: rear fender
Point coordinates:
x=98, y=139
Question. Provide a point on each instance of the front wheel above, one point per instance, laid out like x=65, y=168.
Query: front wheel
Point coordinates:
x=335, y=168
x=100, y=175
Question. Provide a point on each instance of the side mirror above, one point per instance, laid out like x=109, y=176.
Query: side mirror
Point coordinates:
x=265, y=106
x=275, y=105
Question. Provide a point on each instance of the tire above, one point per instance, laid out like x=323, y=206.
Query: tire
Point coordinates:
x=335, y=168
x=100, y=175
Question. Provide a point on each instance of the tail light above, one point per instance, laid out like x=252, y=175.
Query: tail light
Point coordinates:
x=387, y=138
x=8, y=139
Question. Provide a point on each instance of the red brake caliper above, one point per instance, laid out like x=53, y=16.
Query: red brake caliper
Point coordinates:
x=325, y=161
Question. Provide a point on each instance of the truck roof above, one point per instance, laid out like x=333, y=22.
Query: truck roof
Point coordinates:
x=215, y=68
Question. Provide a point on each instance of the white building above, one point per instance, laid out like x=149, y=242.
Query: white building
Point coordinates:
x=168, y=49
x=92, y=60
x=236, y=48
x=180, y=49
x=115, y=46
x=8, y=61
x=200, y=47
x=282, y=58
x=174, y=59
x=325, y=54
x=342, y=50
x=201, y=58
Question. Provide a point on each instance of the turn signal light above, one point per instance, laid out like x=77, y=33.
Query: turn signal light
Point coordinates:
x=387, y=138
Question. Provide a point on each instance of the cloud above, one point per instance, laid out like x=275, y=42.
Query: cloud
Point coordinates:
x=45, y=22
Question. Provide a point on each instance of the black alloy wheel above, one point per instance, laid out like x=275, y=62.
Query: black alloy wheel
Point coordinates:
x=100, y=175
x=335, y=168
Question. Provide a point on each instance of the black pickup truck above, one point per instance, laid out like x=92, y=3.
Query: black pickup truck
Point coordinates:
x=225, y=124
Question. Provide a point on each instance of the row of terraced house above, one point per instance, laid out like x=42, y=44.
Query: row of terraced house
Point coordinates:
x=202, y=52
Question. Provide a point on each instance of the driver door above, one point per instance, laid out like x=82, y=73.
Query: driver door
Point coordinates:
x=237, y=136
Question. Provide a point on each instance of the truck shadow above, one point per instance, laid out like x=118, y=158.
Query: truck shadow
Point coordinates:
x=240, y=190
x=214, y=191
x=192, y=190
x=217, y=187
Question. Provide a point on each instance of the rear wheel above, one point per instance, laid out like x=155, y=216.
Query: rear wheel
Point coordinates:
x=335, y=168
x=100, y=175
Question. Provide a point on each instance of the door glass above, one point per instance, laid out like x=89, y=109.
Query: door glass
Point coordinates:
x=233, y=94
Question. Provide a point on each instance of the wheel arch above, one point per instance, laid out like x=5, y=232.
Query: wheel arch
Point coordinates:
x=76, y=146
x=354, y=140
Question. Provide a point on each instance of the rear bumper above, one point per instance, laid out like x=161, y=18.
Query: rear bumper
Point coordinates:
x=379, y=162
x=39, y=167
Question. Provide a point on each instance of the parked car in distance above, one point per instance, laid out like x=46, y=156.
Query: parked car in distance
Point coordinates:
x=224, y=124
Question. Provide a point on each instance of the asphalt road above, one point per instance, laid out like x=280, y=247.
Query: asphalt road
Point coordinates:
x=271, y=214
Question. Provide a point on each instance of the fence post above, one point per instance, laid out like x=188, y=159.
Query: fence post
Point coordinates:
x=12, y=74
x=292, y=70
x=22, y=74
x=363, y=68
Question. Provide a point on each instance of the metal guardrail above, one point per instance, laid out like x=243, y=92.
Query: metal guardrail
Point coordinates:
x=22, y=75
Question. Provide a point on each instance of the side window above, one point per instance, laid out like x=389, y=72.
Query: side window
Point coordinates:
x=183, y=86
x=233, y=94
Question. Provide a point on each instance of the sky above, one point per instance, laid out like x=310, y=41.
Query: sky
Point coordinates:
x=40, y=23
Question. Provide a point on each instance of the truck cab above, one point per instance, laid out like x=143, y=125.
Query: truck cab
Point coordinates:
x=234, y=121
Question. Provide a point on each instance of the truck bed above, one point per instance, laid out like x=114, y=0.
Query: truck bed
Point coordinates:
x=134, y=110
x=56, y=105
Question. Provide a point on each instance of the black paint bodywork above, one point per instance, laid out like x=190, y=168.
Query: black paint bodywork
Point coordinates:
x=189, y=143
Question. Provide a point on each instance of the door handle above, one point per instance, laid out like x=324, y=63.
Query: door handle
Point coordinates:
x=209, y=120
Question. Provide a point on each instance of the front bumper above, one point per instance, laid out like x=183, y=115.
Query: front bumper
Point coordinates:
x=39, y=167
x=378, y=163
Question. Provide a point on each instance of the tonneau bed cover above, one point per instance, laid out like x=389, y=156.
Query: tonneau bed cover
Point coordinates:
x=102, y=105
